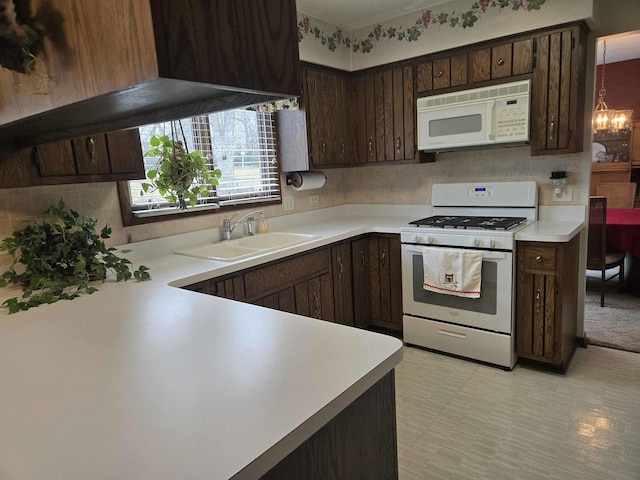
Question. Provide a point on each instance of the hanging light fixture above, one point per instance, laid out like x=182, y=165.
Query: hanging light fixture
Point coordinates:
x=603, y=115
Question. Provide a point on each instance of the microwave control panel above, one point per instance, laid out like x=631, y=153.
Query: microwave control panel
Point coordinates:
x=512, y=119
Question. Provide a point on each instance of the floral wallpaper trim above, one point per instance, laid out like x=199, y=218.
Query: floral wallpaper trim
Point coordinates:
x=410, y=34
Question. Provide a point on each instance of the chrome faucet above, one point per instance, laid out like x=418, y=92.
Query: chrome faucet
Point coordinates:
x=227, y=228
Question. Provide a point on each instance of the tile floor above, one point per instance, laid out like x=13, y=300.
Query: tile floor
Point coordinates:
x=462, y=420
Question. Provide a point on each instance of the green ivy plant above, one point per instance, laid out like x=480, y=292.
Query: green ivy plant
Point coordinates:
x=60, y=258
x=179, y=176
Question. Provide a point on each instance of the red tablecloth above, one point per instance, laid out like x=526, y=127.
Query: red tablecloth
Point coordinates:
x=623, y=229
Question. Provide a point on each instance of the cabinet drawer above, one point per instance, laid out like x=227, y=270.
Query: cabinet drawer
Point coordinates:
x=539, y=259
x=277, y=277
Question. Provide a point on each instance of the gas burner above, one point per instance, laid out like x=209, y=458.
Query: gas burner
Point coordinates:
x=469, y=222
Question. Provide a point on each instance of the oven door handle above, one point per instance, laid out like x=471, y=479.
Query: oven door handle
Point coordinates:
x=486, y=255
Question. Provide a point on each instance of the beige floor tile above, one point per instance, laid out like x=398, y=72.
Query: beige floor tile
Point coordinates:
x=461, y=420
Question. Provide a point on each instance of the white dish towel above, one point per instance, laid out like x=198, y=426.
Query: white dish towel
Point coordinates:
x=452, y=271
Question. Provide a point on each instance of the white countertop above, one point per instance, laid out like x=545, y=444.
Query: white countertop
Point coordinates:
x=555, y=224
x=148, y=381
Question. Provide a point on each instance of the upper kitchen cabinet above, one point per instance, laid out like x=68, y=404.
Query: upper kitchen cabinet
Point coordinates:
x=440, y=73
x=102, y=157
x=321, y=133
x=557, y=100
x=326, y=101
x=132, y=62
x=385, y=113
x=502, y=61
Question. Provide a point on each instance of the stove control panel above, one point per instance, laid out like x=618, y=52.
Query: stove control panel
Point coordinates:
x=463, y=240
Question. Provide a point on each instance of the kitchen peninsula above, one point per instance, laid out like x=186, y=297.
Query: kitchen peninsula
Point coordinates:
x=145, y=380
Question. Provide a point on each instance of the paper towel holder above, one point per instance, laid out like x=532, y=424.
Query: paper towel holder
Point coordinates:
x=296, y=179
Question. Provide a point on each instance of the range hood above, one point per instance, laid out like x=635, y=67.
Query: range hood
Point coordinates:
x=133, y=62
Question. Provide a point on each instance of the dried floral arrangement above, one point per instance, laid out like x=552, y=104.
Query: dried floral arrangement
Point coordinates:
x=16, y=40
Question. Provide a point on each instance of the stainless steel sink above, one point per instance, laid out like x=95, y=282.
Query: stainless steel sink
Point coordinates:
x=240, y=248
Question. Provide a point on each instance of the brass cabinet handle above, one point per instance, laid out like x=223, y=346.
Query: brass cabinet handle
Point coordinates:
x=370, y=147
x=398, y=144
x=439, y=73
x=538, y=301
x=341, y=148
x=552, y=128
x=323, y=145
x=539, y=259
x=384, y=258
x=91, y=149
x=341, y=269
x=500, y=61
x=317, y=301
x=361, y=259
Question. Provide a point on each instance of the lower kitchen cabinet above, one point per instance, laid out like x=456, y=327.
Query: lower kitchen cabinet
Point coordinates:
x=353, y=282
x=343, y=287
x=302, y=285
x=377, y=281
x=547, y=283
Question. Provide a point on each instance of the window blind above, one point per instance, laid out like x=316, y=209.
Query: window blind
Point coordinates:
x=241, y=143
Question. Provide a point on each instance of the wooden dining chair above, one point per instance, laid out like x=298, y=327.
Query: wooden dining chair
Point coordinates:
x=599, y=257
x=619, y=194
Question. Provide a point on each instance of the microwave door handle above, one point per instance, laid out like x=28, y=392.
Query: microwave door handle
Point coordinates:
x=491, y=121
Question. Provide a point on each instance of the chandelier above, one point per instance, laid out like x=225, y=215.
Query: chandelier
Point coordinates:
x=605, y=119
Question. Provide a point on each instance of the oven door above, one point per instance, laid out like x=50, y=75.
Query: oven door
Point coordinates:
x=493, y=311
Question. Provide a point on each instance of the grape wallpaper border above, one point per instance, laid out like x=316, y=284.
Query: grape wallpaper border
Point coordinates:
x=413, y=33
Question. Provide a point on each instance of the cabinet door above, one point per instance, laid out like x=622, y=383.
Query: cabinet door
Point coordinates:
x=481, y=65
x=125, y=153
x=424, y=77
x=558, y=85
x=441, y=73
x=386, y=281
x=343, y=290
x=459, y=66
x=360, y=266
x=91, y=154
x=56, y=159
x=314, y=108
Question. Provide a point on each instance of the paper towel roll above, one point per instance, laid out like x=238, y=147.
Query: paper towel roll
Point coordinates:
x=306, y=180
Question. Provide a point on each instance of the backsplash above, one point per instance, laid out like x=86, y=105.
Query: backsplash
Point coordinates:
x=378, y=184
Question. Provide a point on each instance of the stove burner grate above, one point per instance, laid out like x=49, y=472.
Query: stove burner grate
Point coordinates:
x=470, y=222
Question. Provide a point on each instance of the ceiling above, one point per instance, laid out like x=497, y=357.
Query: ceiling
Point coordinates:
x=625, y=46
x=354, y=14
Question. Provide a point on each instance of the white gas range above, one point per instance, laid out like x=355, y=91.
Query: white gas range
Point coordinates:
x=482, y=217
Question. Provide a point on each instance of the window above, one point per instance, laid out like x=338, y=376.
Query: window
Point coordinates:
x=241, y=143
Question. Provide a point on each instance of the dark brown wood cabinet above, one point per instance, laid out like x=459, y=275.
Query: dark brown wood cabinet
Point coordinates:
x=103, y=157
x=302, y=284
x=354, y=282
x=97, y=158
x=547, y=283
x=321, y=133
x=342, y=283
x=377, y=281
x=502, y=61
x=327, y=97
x=557, y=101
x=385, y=118
x=442, y=73
x=157, y=60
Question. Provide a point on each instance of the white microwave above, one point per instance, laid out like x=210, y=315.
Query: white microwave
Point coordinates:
x=498, y=114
